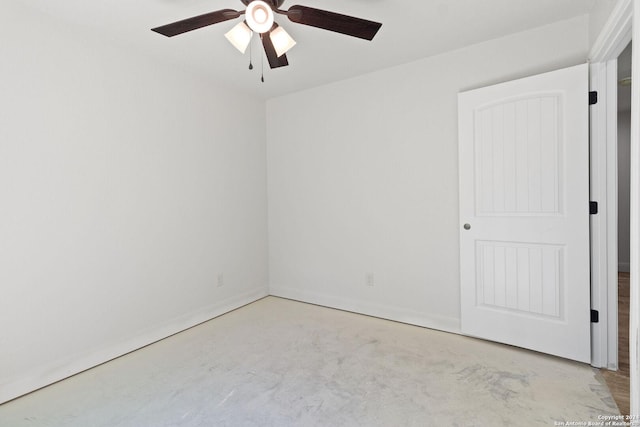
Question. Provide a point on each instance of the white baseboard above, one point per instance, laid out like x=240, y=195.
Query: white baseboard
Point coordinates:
x=398, y=314
x=61, y=369
x=624, y=267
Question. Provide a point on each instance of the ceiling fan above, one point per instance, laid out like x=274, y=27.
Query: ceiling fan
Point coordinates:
x=259, y=18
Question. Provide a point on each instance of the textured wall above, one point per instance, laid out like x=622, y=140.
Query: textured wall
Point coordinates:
x=127, y=189
x=363, y=178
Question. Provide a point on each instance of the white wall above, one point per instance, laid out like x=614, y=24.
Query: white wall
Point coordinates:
x=126, y=188
x=363, y=178
x=624, y=153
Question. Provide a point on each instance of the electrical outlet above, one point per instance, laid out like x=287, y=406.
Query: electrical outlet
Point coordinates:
x=369, y=279
x=220, y=280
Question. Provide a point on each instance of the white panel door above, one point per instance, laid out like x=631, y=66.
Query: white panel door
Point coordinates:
x=524, y=213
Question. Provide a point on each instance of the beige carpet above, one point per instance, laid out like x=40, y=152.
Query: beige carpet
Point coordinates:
x=282, y=363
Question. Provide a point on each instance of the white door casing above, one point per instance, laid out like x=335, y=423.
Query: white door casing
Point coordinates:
x=524, y=197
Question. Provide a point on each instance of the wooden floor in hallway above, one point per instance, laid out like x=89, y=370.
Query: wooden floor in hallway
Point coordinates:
x=618, y=381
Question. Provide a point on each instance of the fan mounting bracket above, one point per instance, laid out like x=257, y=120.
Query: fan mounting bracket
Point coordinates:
x=275, y=4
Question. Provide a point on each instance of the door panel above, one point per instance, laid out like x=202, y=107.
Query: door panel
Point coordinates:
x=515, y=139
x=524, y=193
x=522, y=278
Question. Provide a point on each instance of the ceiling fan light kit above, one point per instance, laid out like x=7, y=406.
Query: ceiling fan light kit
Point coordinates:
x=281, y=40
x=259, y=18
x=240, y=36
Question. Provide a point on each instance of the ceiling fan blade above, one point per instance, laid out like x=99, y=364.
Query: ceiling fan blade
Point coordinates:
x=355, y=27
x=272, y=56
x=196, y=22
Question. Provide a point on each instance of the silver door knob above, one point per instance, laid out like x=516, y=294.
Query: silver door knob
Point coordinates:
x=467, y=226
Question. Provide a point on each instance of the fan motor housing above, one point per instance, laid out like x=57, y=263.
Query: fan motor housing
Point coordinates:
x=274, y=3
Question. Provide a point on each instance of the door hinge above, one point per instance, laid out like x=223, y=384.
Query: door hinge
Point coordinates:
x=595, y=316
x=593, y=97
x=593, y=208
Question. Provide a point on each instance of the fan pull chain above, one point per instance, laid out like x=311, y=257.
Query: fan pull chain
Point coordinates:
x=250, y=55
x=262, y=66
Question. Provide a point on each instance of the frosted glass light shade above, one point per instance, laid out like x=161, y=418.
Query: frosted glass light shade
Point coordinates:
x=281, y=40
x=240, y=36
x=259, y=16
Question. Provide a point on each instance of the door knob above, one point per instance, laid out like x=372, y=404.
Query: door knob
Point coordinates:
x=467, y=226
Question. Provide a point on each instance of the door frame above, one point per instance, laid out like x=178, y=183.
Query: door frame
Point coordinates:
x=614, y=37
x=603, y=226
x=621, y=27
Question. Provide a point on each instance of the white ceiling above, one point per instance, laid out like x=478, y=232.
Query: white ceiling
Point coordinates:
x=412, y=29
